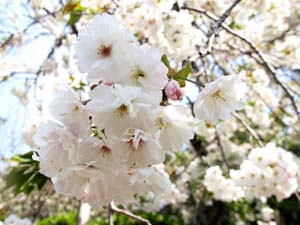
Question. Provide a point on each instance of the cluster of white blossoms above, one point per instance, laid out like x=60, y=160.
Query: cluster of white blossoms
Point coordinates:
x=223, y=189
x=220, y=98
x=15, y=220
x=111, y=144
x=268, y=171
x=162, y=25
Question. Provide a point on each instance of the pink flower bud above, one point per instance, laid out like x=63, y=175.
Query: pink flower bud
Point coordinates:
x=173, y=90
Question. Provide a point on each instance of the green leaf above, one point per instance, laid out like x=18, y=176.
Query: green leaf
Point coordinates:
x=166, y=61
x=235, y=25
x=76, y=11
x=25, y=176
x=74, y=17
x=182, y=74
x=252, y=16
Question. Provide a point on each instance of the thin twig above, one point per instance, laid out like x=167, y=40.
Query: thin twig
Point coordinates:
x=250, y=130
x=195, y=82
x=114, y=209
x=216, y=28
x=221, y=149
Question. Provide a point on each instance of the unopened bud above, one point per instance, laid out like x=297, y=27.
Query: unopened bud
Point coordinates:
x=173, y=90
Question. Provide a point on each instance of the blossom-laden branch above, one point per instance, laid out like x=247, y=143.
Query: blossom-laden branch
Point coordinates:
x=215, y=29
x=268, y=67
x=114, y=209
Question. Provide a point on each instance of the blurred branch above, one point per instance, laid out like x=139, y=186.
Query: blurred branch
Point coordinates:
x=215, y=29
x=221, y=149
x=114, y=209
x=250, y=130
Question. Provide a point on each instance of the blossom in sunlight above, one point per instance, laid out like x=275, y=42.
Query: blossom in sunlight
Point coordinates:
x=223, y=189
x=147, y=70
x=108, y=146
x=66, y=107
x=220, y=98
x=268, y=171
x=103, y=49
x=175, y=127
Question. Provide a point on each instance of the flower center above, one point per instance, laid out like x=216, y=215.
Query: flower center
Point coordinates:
x=135, y=138
x=218, y=95
x=136, y=75
x=161, y=123
x=104, y=50
x=105, y=150
x=122, y=111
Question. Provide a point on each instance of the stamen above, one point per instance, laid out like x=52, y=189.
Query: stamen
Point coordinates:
x=122, y=111
x=104, y=50
x=218, y=95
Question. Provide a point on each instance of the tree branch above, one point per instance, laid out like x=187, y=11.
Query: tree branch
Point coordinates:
x=250, y=130
x=221, y=149
x=216, y=28
x=268, y=67
x=114, y=209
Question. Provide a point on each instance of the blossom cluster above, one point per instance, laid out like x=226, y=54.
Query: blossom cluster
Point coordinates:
x=223, y=189
x=162, y=25
x=110, y=144
x=268, y=171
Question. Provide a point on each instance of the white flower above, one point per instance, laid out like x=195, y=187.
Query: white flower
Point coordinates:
x=220, y=98
x=120, y=100
x=175, y=127
x=267, y=213
x=176, y=35
x=67, y=108
x=147, y=70
x=268, y=171
x=94, y=158
x=222, y=188
x=103, y=50
x=150, y=179
x=138, y=148
x=55, y=144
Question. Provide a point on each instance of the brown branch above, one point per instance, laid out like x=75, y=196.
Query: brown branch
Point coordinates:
x=221, y=149
x=268, y=67
x=215, y=29
x=114, y=209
